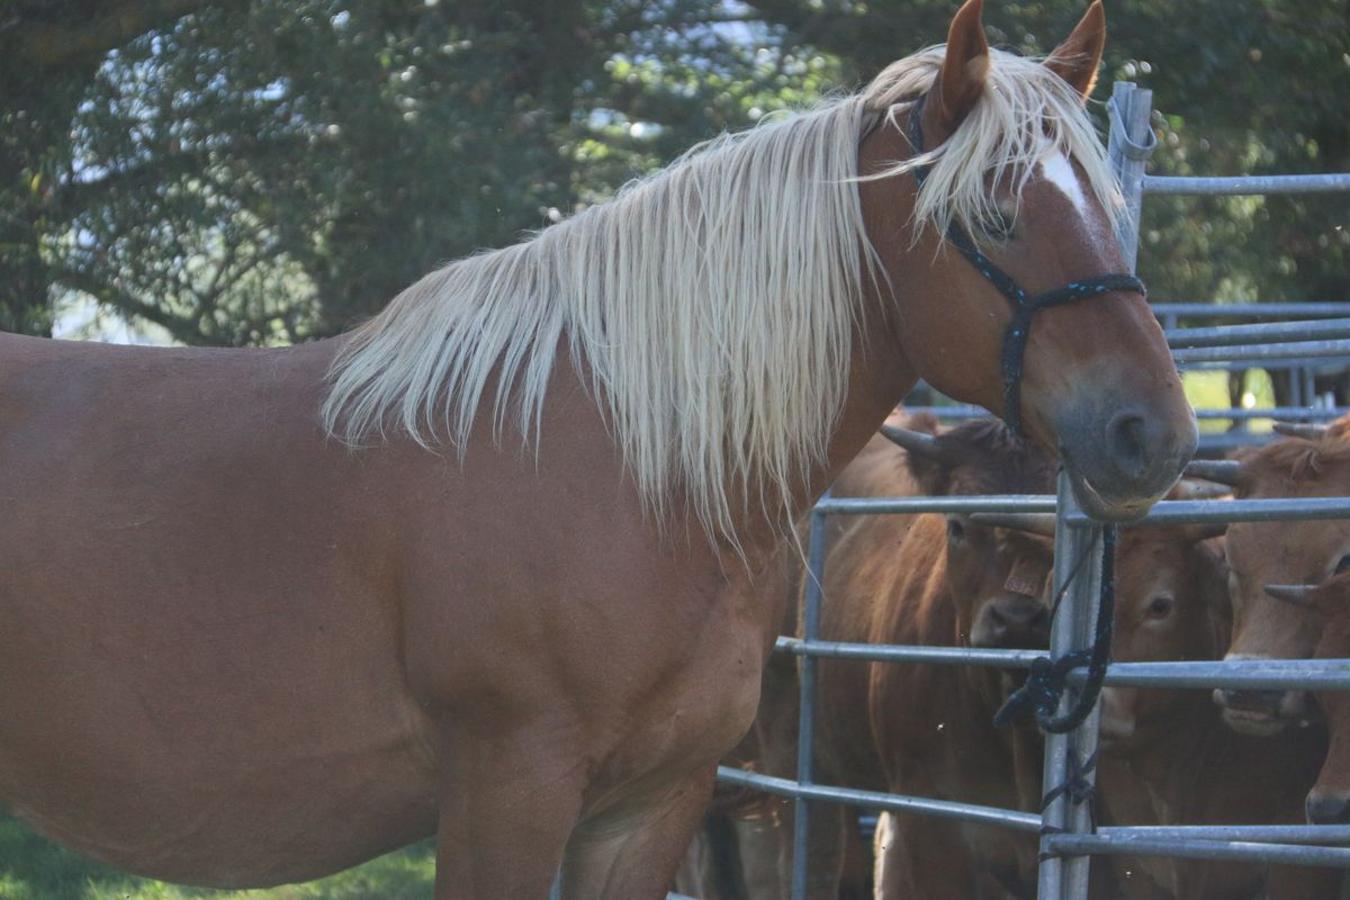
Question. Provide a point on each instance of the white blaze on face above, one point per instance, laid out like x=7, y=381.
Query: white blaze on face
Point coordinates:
x=1056, y=169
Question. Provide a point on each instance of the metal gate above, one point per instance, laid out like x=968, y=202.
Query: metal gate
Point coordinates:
x=1067, y=835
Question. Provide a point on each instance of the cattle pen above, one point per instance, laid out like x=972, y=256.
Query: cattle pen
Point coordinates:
x=1068, y=835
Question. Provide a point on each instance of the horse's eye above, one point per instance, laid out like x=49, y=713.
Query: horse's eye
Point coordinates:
x=1160, y=607
x=998, y=225
x=956, y=531
x=1343, y=564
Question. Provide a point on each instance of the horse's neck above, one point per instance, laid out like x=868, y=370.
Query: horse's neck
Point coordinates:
x=879, y=378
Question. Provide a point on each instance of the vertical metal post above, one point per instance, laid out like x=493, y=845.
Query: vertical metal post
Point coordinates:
x=806, y=723
x=1077, y=579
x=1129, y=145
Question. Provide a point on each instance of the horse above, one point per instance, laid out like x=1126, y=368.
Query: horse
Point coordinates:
x=493, y=566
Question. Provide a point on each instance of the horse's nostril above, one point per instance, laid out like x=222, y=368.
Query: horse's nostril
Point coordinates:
x=1127, y=443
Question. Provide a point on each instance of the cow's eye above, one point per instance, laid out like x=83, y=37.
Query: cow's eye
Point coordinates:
x=1160, y=607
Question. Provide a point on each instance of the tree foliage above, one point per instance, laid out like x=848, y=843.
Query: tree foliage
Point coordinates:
x=270, y=171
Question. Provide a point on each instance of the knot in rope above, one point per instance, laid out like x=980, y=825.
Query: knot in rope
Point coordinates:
x=1048, y=678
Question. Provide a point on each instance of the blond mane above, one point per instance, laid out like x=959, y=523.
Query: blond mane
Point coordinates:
x=713, y=304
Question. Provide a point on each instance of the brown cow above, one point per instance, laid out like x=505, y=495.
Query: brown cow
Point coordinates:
x=927, y=730
x=1167, y=758
x=1282, y=553
x=1328, y=803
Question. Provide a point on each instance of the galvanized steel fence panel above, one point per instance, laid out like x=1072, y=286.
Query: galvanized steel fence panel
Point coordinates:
x=1068, y=838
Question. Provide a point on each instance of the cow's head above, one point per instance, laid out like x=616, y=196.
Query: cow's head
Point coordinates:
x=1328, y=605
x=1264, y=553
x=996, y=576
x=1171, y=603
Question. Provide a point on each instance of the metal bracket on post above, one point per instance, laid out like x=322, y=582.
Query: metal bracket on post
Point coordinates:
x=1129, y=144
x=1078, y=573
x=815, y=579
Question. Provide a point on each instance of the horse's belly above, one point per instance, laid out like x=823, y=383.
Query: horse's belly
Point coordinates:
x=264, y=755
x=185, y=815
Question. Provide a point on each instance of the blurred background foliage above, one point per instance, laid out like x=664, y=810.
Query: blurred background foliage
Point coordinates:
x=266, y=171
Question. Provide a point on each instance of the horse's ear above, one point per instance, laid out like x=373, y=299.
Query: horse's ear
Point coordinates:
x=1080, y=56
x=964, y=67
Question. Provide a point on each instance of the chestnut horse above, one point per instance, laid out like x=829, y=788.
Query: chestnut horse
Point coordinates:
x=492, y=566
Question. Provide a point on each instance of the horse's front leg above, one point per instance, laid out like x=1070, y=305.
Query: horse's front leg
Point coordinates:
x=633, y=851
x=508, y=804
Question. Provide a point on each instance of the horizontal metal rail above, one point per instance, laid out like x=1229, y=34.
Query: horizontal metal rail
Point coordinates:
x=1315, y=674
x=1297, y=350
x=899, y=803
x=1228, y=335
x=871, y=506
x=1275, y=834
x=1238, y=851
x=1222, y=310
x=1114, y=839
x=1286, y=413
x=1247, y=185
x=1166, y=512
x=1277, y=509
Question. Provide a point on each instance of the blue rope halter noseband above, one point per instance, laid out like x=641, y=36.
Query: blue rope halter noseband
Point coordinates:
x=1024, y=305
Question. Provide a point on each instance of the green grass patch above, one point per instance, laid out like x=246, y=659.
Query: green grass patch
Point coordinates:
x=32, y=868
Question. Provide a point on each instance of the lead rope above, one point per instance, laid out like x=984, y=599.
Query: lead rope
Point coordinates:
x=1049, y=677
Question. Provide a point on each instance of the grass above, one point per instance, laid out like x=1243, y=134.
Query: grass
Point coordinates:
x=1209, y=390
x=35, y=869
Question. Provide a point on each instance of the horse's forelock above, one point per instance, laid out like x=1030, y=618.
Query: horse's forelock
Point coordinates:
x=1024, y=111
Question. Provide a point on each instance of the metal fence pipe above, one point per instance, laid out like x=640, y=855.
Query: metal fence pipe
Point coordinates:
x=911, y=653
x=1074, y=548
x=1244, y=851
x=1129, y=144
x=1275, y=509
x=1275, y=834
x=1248, y=185
x=1282, y=674
x=815, y=579
x=1299, y=350
x=1227, y=335
x=870, y=506
x=1223, y=310
x=896, y=803
x=1311, y=674
x=1293, y=413
x=1220, y=442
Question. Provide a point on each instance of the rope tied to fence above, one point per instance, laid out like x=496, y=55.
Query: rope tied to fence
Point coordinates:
x=1077, y=788
x=1048, y=678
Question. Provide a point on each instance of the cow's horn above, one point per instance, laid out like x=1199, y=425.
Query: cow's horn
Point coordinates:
x=916, y=442
x=1035, y=523
x=1220, y=471
x=1297, y=594
x=1310, y=430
